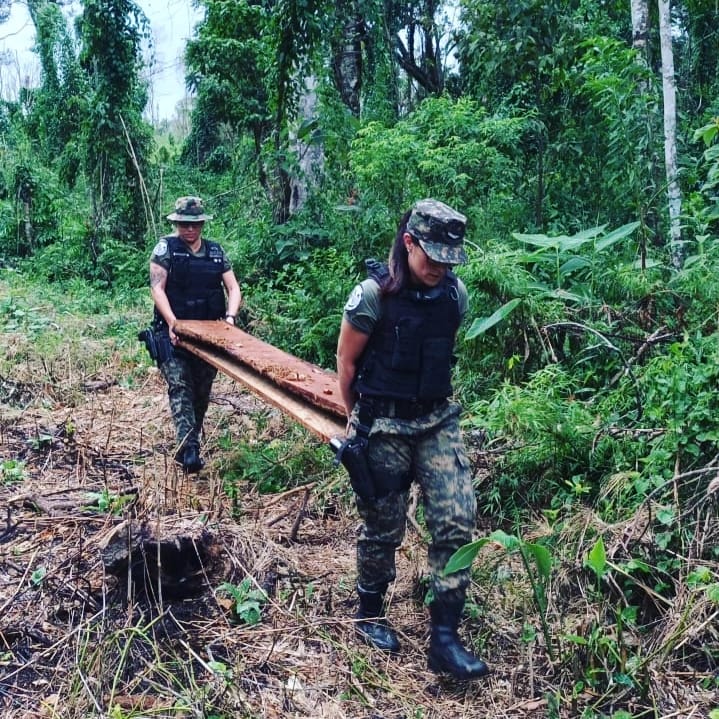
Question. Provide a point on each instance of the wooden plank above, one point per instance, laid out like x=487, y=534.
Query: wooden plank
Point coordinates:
x=322, y=423
x=295, y=376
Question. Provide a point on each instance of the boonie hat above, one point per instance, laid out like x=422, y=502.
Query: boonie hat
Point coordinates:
x=439, y=230
x=188, y=209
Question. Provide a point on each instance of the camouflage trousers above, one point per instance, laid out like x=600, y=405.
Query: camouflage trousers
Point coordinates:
x=429, y=451
x=189, y=382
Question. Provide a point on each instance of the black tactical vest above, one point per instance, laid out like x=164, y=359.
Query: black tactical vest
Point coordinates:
x=409, y=354
x=194, y=284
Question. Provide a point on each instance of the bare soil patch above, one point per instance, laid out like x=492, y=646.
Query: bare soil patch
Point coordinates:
x=111, y=560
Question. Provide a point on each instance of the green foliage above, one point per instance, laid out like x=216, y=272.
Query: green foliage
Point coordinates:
x=625, y=93
x=35, y=220
x=273, y=465
x=116, y=139
x=301, y=307
x=564, y=263
x=445, y=148
x=586, y=361
x=107, y=502
x=12, y=471
x=274, y=44
x=537, y=561
x=482, y=325
x=247, y=600
x=231, y=35
x=526, y=57
x=549, y=427
x=38, y=575
x=597, y=559
x=61, y=100
x=679, y=398
x=704, y=210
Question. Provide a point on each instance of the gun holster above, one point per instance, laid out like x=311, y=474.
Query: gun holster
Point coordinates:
x=352, y=454
x=157, y=344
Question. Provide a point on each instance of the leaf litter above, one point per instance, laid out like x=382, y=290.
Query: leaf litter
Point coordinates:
x=111, y=560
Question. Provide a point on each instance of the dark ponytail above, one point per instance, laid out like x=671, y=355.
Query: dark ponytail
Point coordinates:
x=398, y=260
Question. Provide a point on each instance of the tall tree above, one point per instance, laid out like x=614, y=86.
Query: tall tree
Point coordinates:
x=417, y=42
x=640, y=26
x=518, y=57
x=258, y=55
x=116, y=139
x=347, y=55
x=61, y=100
x=670, y=132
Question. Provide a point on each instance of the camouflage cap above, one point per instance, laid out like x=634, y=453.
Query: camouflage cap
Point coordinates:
x=188, y=209
x=439, y=230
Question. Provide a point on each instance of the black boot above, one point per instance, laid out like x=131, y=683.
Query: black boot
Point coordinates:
x=446, y=653
x=372, y=626
x=191, y=461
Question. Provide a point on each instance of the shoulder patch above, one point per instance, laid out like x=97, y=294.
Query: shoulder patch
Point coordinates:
x=354, y=299
x=160, y=248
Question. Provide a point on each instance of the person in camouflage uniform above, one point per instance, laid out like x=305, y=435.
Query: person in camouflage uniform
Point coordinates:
x=190, y=278
x=394, y=360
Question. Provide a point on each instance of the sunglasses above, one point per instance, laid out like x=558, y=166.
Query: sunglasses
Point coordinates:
x=186, y=225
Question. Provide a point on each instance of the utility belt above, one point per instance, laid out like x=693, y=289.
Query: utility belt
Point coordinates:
x=401, y=408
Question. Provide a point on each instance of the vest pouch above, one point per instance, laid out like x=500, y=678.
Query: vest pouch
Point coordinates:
x=180, y=270
x=436, y=375
x=216, y=306
x=196, y=309
x=405, y=355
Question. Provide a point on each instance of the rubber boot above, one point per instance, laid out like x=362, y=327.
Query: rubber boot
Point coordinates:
x=191, y=461
x=372, y=627
x=446, y=653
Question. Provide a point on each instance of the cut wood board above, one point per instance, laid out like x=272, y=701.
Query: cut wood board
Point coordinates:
x=304, y=391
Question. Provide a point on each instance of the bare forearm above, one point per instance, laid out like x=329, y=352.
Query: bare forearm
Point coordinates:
x=163, y=305
x=345, y=376
x=158, y=281
x=350, y=346
x=234, y=300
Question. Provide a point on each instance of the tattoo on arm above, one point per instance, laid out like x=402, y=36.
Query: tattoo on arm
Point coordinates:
x=157, y=276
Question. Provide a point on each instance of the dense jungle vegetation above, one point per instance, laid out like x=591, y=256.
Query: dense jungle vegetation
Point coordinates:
x=580, y=138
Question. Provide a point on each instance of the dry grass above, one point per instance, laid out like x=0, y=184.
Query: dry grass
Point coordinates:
x=81, y=638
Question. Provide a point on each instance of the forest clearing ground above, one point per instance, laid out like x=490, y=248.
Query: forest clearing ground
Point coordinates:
x=79, y=639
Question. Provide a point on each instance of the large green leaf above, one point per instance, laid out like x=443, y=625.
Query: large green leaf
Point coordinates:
x=540, y=240
x=615, y=235
x=581, y=238
x=482, y=324
x=542, y=558
x=597, y=558
x=574, y=263
x=464, y=556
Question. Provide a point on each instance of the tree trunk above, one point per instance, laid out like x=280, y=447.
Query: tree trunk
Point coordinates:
x=309, y=152
x=640, y=34
x=27, y=219
x=669, y=91
x=640, y=25
x=347, y=60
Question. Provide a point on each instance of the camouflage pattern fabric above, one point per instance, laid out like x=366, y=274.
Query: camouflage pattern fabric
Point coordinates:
x=431, y=448
x=189, y=382
x=439, y=230
x=188, y=209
